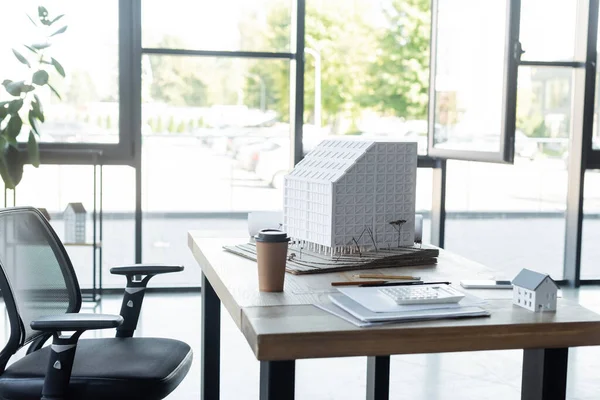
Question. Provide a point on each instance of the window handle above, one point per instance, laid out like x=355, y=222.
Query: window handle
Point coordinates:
x=518, y=51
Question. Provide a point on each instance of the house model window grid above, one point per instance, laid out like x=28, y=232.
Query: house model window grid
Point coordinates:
x=75, y=223
x=351, y=196
x=534, y=291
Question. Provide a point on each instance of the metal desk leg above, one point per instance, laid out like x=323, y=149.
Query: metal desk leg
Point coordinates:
x=211, y=342
x=544, y=374
x=277, y=380
x=378, y=378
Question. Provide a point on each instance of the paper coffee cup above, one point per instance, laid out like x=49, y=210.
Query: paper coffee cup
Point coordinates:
x=271, y=255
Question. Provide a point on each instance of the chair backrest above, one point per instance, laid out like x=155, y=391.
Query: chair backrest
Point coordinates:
x=36, y=276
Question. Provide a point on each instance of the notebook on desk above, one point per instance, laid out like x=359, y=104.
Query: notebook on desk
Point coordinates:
x=372, y=299
x=419, y=314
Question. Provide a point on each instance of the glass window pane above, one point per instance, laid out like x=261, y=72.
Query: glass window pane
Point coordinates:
x=218, y=148
x=596, y=126
x=544, y=112
x=469, y=79
x=386, y=45
x=596, y=132
x=547, y=30
x=88, y=52
x=423, y=200
x=217, y=118
x=513, y=216
x=590, y=251
x=508, y=217
x=53, y=187
x=234, y=25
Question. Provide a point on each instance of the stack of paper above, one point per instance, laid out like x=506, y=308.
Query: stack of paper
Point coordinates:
x=367, y=306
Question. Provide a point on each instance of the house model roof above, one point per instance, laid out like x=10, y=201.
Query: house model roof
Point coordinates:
x=330, y=160
x=76, y=207
x=530, y=280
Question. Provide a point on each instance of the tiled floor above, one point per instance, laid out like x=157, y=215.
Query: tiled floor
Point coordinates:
x=477, y=376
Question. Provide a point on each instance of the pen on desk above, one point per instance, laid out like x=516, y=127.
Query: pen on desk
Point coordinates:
x=387, y=277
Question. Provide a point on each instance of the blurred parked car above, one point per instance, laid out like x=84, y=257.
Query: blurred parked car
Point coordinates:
x=525, y=146
x=409, y=131
x=273, y=163
x=248, y=156
x=255, y=135
x=74, y=131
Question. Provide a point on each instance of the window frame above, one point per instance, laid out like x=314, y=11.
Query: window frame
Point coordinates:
x=123, y=151
x=512, y=55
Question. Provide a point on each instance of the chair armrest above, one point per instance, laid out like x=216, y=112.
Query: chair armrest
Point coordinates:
x=76, y=322
x=137, y=276
x=62, y=351
x=145, y=269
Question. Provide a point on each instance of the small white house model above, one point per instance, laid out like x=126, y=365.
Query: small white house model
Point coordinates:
x=534, y=291
x=351, y=196
x=75, y=219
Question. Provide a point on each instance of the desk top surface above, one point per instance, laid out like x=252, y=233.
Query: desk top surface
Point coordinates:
x=280, y=326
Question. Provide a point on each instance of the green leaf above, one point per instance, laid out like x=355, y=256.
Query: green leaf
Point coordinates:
x=16, y=88
x=12, y=141
x=14, y=106
x=32, y=21
x=14, y=163
x=3, y=110
x=13, y=128
x=57, y=18
x=6, y=177
x=13, y=88
x=20, y=57
x=59, y=68
x=34, y=51
x=58, y=32
x=43, y=15
x=32, y=122
x=37, y=106
x=54, y=91
x=33, y=150
x=40, y=46
x=36, y=111
x=40, y=77
x=27, y=88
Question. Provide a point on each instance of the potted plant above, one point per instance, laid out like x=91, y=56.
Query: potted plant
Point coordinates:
x=23, y=112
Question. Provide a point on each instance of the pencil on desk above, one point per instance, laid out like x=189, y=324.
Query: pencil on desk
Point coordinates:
x=356, y=283
x=382, y=276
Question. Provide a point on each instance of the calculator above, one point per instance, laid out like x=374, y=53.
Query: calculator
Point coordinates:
x=423, y=294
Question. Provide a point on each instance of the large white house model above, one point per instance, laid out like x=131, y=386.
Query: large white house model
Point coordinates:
x=350, y=196
x=534, y=291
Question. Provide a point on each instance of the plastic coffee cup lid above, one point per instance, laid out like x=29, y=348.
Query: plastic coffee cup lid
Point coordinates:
x=272, y=236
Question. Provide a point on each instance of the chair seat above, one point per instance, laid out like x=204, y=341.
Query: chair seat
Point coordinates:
x=114, y=368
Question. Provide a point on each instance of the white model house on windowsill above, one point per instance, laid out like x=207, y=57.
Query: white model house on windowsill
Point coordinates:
x=534, y=291
x=350, y=196
x=75, y=220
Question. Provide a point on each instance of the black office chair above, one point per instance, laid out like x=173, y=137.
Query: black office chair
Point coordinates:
x=42, y=299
